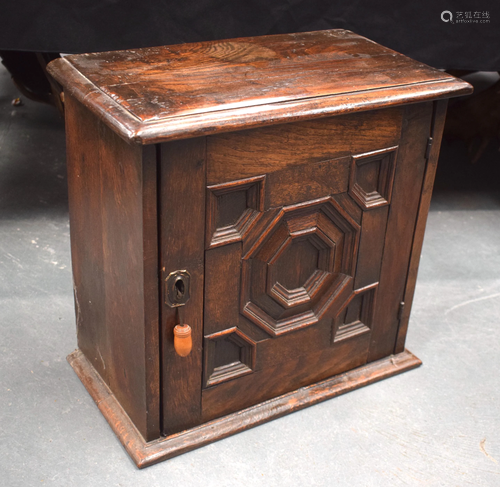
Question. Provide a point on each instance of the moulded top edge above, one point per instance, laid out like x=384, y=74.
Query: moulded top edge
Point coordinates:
x=167, y=92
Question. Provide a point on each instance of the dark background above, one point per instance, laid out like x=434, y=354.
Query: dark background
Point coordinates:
x=412, y=28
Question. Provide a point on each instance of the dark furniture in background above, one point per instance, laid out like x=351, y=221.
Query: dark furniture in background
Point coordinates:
x=32, y=33
x=414, y=29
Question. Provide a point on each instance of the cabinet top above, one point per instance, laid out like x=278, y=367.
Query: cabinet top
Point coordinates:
x=163, y=93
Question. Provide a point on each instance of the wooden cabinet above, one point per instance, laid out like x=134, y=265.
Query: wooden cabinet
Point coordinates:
x=269, y=192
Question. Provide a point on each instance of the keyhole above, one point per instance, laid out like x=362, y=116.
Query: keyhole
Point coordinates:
x=179, y=289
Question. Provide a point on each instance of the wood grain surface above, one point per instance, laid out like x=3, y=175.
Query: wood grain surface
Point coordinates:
x=299, y=242
x=113, y=225
x=410, y=167
x=314, y=286
x=145, y=454
x=436, y=132
x=160, y=93
x=182, y=246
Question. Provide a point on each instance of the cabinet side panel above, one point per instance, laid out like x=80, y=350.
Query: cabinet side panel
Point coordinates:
x=409, y=175
x=182, y=241
x=423, y=210
x=111, y=264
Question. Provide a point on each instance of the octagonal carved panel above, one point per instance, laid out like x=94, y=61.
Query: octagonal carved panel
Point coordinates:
x=303, y=263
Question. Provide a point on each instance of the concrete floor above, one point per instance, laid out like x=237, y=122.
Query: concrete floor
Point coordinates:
x=438, y=425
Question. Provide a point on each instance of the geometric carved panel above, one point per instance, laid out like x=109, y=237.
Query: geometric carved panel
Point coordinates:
x=372, y=176
x=356, y=315
x=228, y=354
x=232, y=209
x=302, y=265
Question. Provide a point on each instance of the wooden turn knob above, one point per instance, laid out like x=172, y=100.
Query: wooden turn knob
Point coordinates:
x=182, y=340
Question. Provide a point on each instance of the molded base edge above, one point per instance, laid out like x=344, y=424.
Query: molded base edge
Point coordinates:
x=145, y=454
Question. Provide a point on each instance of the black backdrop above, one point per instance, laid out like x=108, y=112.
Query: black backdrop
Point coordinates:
x=414, y=28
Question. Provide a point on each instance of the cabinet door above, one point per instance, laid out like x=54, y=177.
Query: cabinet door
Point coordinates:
x=308, y=236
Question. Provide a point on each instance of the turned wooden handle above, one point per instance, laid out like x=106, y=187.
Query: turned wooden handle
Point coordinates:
x=182, y=340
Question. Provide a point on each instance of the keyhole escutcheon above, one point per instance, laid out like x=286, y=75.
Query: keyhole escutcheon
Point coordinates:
x=177, y=288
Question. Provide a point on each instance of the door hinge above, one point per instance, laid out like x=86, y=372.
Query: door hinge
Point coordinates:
x=430, y=140
x=401, y=309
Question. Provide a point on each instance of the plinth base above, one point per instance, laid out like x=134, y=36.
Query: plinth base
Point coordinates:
x=145, y=454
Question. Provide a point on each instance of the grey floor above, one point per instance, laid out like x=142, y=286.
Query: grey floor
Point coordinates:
x=438, y=425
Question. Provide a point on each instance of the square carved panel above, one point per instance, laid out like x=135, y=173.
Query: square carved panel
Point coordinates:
x=372, y=177
x=228, y=354
x=233, y=208
x=356, y=315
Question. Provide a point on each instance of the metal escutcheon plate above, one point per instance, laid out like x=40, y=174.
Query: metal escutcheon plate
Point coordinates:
x=177, y=288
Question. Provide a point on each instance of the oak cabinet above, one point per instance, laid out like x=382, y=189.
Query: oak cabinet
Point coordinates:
x=271, y=193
